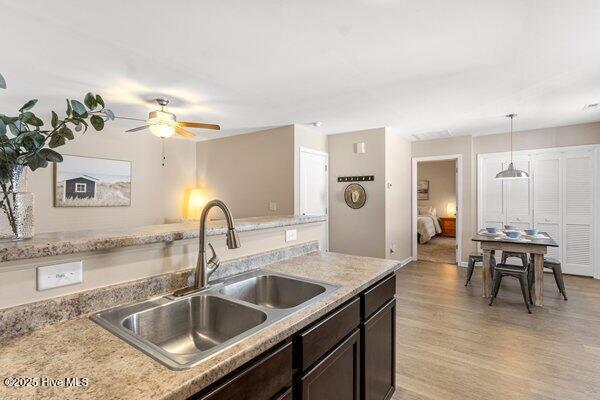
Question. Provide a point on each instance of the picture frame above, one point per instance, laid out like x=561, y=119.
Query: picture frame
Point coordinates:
x=92, y=182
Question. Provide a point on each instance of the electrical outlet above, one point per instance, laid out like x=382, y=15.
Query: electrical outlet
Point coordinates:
x=53, y=276
x=272, y=206
x=291, y=235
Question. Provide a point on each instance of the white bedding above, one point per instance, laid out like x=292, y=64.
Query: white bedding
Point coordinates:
x=427, y=227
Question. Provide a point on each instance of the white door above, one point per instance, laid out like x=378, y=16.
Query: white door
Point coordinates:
x=518, y=209
x=548, y=204
x=578, y=236
x=491, y=192
x=313, y=182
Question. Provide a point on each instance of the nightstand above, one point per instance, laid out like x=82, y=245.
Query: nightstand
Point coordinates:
x=448, y=226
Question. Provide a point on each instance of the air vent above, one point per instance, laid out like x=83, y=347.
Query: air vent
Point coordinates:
x=433, y=135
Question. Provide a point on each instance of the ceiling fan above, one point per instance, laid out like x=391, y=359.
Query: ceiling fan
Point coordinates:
x=164, y=124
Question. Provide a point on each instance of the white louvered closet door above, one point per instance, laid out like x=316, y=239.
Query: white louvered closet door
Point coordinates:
x=492, y=196
x=578, y=195
x=547, y=184
x=518, y=197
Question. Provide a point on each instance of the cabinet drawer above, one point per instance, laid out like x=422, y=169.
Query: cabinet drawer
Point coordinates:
x=377, y=295
x=326, y=333
x=336, y=376
x=260, y=381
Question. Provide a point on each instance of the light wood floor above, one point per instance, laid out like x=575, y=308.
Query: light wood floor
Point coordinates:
x=452, y=345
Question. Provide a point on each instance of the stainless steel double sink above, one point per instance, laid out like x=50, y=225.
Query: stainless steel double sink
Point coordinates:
x=180, y=332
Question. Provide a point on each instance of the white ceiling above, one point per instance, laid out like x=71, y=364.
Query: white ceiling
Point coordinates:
x=414, y=66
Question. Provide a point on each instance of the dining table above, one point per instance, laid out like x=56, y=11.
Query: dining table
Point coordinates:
x=536, y=245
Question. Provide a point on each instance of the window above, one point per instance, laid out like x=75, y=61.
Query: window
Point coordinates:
x=80, y=187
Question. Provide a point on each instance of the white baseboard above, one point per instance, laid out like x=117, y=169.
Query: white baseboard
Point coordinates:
x=403, y=263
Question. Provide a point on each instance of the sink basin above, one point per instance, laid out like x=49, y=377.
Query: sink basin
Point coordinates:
x=193, y=325
x=273, y=291
x=179, y=332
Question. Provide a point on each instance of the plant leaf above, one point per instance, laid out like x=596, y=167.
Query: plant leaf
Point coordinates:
x=69, y=109
x=2, y=82
x=57, y=140
x=2, y=127
x=28, y=105
x=109, y=114
x=97, y=122
x=90, y=101
x=50, y=155
x=54, y=121
x=29, y=118
x=100, y=100
x=78, y=108
x=78, y=127
x=67, y=132
x=36, y=161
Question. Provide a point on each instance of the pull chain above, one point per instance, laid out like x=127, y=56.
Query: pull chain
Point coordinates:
x=164, y=158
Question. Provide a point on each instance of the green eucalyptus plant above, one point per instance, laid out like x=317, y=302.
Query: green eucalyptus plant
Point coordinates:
x=26, y=141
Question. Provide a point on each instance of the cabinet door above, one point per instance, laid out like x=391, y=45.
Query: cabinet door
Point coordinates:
x=547, y=204
x=518, y=196
x=491, y=193
x=578, y=235
x=378, y=362
x=337, y=375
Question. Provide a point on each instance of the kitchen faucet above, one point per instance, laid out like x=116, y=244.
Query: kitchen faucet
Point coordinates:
x=204, y=269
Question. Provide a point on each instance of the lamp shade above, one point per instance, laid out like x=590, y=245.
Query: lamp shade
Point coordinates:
x=451, y=209
x=512, y=173
x=194, y=203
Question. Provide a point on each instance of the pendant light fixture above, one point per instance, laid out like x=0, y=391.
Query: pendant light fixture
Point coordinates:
x=511, y=172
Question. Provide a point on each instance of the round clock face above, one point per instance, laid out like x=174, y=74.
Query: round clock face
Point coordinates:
x=355, y=196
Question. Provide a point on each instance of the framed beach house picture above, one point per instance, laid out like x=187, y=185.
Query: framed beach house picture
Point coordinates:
x=92, y=182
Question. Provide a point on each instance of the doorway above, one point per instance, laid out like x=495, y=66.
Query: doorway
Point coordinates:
x=313, y=185
x=436, y=206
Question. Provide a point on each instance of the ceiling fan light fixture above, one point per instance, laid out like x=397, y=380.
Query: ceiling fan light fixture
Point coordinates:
x=162, y=130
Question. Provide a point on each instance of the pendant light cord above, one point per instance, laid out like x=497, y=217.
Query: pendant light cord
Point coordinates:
x=511, y=138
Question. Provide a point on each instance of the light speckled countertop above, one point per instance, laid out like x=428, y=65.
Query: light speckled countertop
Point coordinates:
x=116, y=370
x=59, y=243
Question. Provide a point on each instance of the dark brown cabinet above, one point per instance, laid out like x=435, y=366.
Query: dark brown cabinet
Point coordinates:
x=262, y=380
x=378, y=363
x=336, y=376
x=348, y=354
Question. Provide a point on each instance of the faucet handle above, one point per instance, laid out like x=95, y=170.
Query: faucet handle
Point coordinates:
x=214, y=262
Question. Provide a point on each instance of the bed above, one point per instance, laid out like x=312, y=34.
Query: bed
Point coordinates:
x=428, y=224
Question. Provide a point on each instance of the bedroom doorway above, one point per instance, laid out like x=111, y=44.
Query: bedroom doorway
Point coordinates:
x=436, y=206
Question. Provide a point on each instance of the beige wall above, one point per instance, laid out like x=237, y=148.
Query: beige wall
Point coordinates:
x=397, y=196
x=157, y=192
x=249, y=171
x=442, y=184
x=361, y=231
x=18, y=279
x=455, y=145
x=309, y=138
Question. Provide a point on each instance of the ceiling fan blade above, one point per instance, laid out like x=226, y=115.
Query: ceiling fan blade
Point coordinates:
x=182, y=132
x=139, y=128
x=131, y=119
x=198, y=125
